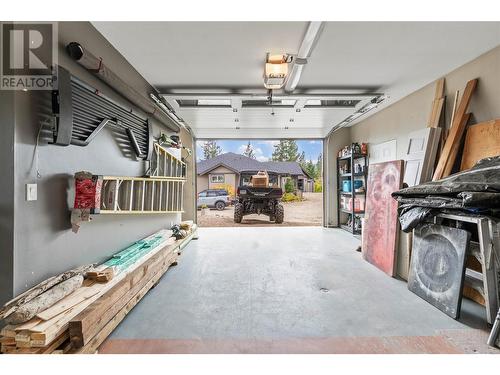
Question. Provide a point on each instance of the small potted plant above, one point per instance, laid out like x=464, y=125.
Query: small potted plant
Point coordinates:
x=204, y=210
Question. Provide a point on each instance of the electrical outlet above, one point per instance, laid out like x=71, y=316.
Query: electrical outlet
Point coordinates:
x=31, y=192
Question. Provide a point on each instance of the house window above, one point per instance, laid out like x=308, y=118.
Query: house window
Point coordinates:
x=217, y=178
x=245, y=180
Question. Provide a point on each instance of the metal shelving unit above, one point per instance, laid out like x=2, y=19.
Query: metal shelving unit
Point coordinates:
x=352, y=176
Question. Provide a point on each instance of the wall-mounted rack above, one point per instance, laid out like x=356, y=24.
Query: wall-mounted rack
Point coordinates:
x=81, y=112
x=164, y=164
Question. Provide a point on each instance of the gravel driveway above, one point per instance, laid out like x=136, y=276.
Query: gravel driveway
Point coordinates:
x=305, y=213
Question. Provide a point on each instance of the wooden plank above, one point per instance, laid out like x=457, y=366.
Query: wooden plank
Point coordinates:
x=454, y=151
x=38, y=289
x=439, y=92
x=55, y=344
x=482, y=140
x=437, y=104
x=436, y=115
x=23, y=336
x=450, y=148
x=50, y=329
x=45, y=300
x=8, y=341
x=8, y=331
x=28, y=325
x=90, y=321
x=69, y=301
x=454, y=109
x=98, y=339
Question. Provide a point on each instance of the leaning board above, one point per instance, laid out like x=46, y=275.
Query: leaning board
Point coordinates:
x=381, y=229
x=438, y=266
x=482, y=140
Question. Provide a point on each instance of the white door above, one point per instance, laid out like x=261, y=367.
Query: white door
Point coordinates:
x=421, y=155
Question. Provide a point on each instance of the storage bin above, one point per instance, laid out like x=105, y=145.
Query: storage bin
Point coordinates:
x=346, y=186
x=358, y=184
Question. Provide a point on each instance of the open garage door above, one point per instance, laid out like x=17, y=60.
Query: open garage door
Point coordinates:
x=259, y=182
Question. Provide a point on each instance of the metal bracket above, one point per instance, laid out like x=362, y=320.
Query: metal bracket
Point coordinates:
x=93, y=134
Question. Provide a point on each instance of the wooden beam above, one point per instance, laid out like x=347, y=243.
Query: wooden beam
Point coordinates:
x=98, y=339
x=439, y=92
x=454, y=150
x=450, y=148
x=90, y=321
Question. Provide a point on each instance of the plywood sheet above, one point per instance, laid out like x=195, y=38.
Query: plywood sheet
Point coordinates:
x=381, y=228
x=482, y=140
x=438, y=266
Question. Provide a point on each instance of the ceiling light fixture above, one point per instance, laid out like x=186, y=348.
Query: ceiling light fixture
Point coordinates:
x=275, y=71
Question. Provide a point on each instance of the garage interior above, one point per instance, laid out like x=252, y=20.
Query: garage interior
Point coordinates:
x=100, y=248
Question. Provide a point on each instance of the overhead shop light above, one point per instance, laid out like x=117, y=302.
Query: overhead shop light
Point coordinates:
x=275, y=71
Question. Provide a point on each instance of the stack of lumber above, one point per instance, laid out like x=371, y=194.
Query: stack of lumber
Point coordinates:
x=82, y=320
x=457, y=130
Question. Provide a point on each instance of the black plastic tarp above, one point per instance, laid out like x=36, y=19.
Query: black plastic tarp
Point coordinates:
x=476, y=191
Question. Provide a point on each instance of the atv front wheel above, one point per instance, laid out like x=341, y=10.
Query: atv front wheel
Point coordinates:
x=279, y=214
x=238, y=212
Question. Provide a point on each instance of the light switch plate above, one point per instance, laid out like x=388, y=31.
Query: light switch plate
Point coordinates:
x=31, y=194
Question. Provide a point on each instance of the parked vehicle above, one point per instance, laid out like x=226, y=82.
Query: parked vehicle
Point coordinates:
x=259, y=200
x=214, y=198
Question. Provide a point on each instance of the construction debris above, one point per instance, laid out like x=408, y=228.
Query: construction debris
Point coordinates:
x=101, y=276
x=45, y=300
x=34, y=292
x=80, y=321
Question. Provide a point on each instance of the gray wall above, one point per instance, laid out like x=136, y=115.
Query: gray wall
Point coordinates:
x=6, y=194
x=331, y=146
x=412, y=112
x=43, y=241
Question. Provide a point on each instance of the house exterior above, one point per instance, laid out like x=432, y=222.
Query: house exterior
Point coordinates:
x=230, y=170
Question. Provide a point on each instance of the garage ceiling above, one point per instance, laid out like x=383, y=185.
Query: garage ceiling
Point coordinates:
x=224, y=60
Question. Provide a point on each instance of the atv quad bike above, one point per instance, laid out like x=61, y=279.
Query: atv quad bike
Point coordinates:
x=259, y=200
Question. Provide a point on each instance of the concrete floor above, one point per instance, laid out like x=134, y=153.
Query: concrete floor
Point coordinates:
x=288, y=290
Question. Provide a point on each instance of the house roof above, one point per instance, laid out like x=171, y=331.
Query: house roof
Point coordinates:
x=240, y=163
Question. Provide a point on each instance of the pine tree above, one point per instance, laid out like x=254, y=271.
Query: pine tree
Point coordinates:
x=310, y=168
x=302, y=158
x=249, y=151
x=211, y=149
x=319, y=166
x=286, y=150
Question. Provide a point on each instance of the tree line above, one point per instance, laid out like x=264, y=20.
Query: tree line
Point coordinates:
x=285, y=150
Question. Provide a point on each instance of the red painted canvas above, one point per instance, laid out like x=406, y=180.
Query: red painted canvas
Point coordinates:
x=381, y=226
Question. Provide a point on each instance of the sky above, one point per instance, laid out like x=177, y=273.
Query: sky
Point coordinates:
x=264, y=149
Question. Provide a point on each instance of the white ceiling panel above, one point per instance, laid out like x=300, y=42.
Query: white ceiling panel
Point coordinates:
x=392, y=58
